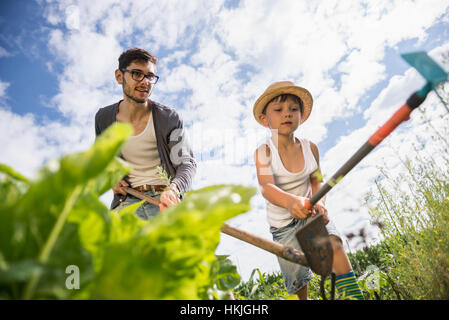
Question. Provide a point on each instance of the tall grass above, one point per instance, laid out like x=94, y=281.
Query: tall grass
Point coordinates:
x=412, y=209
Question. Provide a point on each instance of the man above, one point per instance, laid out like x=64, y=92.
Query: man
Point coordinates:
x=159, y=137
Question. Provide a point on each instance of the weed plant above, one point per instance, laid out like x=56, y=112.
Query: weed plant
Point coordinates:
x=413, y=212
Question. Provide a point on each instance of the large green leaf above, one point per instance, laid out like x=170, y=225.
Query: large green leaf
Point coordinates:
x=170, y=256
x=12, y=186
x=19, y=272
x=34, y=226
x=7, y=170
x=57, y=220
x=224, y=273
x=58, y=178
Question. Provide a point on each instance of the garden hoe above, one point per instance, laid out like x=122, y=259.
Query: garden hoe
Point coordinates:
x=309, y=236
x=317, y=246
x=313, y=237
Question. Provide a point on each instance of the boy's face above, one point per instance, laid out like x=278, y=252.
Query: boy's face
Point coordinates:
x=283, y=116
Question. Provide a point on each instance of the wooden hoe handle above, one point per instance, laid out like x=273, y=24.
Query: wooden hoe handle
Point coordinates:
x=287, y=253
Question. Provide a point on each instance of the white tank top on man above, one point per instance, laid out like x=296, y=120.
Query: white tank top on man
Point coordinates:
x=297, y=183
x=141, y=153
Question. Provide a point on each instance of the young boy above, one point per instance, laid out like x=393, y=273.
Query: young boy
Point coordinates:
x=288, y=173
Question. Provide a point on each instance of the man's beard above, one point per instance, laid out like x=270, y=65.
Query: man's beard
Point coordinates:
x=125, y=91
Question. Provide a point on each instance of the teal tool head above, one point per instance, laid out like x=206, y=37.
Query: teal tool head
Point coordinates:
x=428, y=68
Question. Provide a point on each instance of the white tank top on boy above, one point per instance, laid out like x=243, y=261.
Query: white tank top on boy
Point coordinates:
x=141, y=153
x=296, y=183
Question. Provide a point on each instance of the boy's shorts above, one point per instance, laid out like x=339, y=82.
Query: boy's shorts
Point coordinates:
x=295, y=275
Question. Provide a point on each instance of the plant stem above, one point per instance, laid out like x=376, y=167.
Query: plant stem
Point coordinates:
x=51, y=241
x=386, y=207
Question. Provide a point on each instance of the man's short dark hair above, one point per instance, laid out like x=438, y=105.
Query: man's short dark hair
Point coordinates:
x=282, y=98
x=135, y=54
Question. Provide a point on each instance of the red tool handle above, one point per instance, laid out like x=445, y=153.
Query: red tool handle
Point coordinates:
x=307, y=204
x=402, y=114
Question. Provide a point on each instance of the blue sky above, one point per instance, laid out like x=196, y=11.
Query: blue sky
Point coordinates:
x=57, y=60
x=25, y=65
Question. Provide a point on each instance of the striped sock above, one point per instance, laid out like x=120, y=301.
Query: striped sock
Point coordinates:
x=348, y=287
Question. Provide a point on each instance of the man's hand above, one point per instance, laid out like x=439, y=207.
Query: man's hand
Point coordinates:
x=297, y=209
x=319, y=208
x=169, y=197
x=118, y=187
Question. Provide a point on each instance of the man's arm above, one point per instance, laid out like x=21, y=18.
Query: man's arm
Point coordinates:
x=183, y=162
x=182, y=158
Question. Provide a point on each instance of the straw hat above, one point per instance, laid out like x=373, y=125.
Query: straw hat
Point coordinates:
x=283, y=87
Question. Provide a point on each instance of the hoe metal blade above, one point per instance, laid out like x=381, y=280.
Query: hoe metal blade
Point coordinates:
x=428, y=68
x=316, y=245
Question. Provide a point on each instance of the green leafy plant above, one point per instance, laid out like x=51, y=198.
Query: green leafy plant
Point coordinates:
x=413, y=211
x=57, y=221
x=34, y=228
x=224, y=277
x=264, y=287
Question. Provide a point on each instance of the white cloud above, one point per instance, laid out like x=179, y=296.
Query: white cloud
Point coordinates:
x=4, y=53
x=350, y=192
x=3, y=87
x=26, y=144
x=87, y=81
x=305, y=42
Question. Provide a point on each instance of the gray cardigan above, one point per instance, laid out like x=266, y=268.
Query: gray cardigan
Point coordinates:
x=174, y=150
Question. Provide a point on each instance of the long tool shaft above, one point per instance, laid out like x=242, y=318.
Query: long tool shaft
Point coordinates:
x=401, y=115
x=141, y=196
x=282, y=251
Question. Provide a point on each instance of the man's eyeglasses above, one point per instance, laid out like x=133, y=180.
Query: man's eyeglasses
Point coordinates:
x=139, y=75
